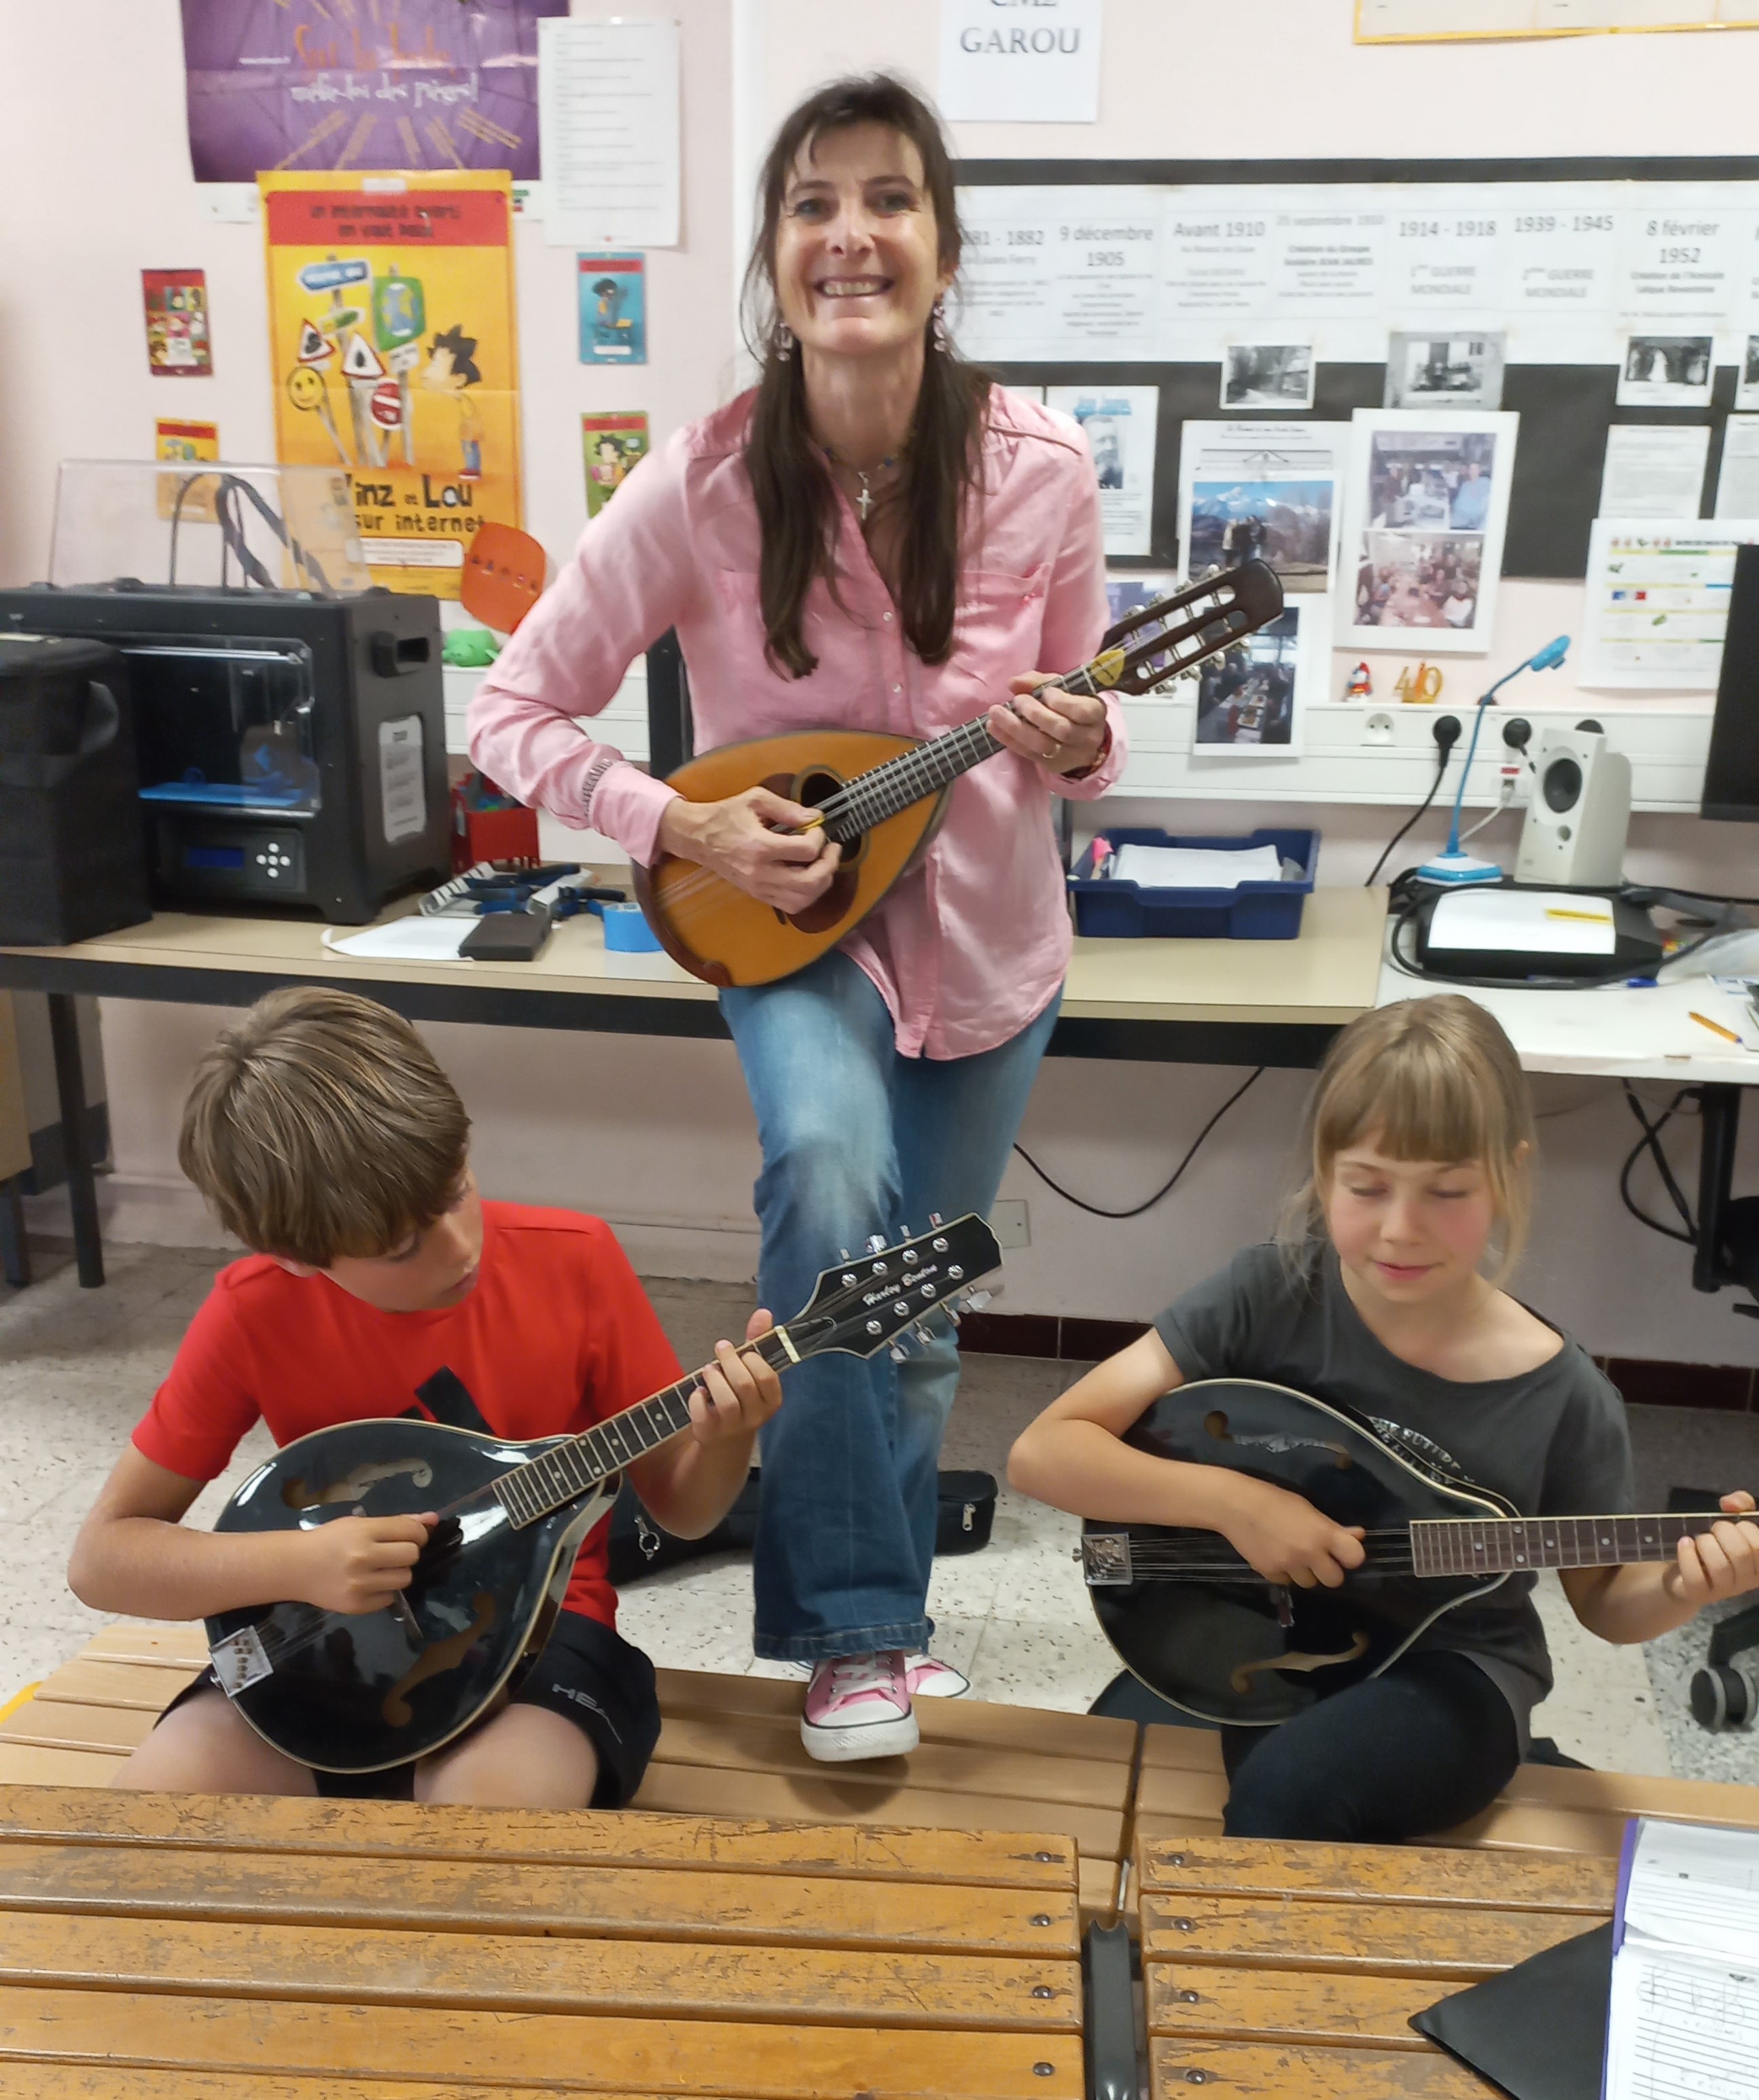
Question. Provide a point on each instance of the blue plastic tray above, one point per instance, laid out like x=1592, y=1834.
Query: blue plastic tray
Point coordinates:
x=1252, y=911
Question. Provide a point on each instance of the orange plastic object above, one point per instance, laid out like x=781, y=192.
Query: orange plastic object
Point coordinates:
x=503, y=576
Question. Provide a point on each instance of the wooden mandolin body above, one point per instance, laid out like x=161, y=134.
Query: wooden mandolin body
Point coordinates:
x=726, y=938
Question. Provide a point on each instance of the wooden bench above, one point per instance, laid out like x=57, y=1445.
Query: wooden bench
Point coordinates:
x=1182, y=1791
x=728, y=1745
x=154, y=1944
x=1290, y=1972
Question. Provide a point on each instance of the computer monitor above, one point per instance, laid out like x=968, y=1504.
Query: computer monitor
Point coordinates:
x=1731, y=772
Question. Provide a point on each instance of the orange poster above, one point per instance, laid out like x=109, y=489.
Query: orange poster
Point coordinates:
x=391, y=317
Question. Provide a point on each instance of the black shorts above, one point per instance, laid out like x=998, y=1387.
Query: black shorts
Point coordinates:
x=586, y=1672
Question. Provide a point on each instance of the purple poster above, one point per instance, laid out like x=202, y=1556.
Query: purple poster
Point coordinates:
x=310, y=84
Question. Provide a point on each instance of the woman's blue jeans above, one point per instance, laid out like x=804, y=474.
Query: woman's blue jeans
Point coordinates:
x=858, y=1139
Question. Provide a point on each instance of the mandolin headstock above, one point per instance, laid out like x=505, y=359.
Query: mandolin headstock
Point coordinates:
x=875, y=1298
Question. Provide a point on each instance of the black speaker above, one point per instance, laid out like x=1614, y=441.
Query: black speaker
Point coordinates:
x=1731, y=772
x=72, y=846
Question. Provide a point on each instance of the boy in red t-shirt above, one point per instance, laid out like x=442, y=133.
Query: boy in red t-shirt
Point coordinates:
x=323, y=1133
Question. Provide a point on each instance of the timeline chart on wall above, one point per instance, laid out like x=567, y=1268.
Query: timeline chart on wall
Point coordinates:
x=1571, y=271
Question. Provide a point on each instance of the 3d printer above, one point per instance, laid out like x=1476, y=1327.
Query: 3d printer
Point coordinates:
x=288, y=716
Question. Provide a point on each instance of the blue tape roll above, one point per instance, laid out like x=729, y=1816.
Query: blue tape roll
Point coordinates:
x=627, y=931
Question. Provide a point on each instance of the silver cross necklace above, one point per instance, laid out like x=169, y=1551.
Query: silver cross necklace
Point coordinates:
x=865, y=502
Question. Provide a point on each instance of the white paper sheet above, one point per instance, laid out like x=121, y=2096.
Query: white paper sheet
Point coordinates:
x=1697, y=1887
x=608, y=106
x=1040, y=66
x=1266, y=489
x=1196, y=867
x=1569, y=270
x=1657, y=602
x=1737, y=476
x=1653, y=470
x=1540, y=922
x=1680, y=2028
x=1426, y=505
x=416, y=939
x=1120, y=426
x=1685, y=2010
x=1253, y=699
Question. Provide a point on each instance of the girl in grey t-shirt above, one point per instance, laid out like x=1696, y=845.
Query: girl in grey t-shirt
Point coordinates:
x=1384, y=1297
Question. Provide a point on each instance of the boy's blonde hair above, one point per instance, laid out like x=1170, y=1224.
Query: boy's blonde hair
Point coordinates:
x=1430, y=1079
x=321, y=1126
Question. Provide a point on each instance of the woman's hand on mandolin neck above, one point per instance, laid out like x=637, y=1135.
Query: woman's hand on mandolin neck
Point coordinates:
x=755, y=842
x=1065, y=733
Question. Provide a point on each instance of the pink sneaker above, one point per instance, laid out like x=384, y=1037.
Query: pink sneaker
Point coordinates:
x=928, y=1678
x=858, y=1706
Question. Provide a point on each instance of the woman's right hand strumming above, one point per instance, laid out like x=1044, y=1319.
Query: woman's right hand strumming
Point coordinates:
x=755, y=842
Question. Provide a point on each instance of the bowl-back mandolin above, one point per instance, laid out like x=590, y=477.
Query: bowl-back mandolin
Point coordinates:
x=881, y=797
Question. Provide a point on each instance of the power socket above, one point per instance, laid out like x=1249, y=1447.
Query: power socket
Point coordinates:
x=1008, y=1220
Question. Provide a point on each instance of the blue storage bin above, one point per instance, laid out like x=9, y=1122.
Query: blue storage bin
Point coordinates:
x=1252, y=911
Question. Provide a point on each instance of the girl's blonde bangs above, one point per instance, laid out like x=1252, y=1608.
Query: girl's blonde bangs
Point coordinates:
x=1428, y=1079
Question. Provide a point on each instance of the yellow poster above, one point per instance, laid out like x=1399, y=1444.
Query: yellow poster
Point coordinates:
x=391, y=321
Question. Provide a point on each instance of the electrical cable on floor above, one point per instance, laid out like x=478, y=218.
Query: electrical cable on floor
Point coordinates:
x=1650, y=1142
x=1441, y=767
x=1166, y=1188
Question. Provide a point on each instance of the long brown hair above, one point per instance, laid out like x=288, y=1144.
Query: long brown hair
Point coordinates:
x=796, y=509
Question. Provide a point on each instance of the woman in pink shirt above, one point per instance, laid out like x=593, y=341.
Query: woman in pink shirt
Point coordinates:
x=877, y=538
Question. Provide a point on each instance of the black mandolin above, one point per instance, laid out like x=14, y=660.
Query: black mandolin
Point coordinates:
x=355, y=1692
x=1190, y=1618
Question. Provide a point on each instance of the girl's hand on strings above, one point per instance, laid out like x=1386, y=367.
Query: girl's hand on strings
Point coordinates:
x=1723, y=1562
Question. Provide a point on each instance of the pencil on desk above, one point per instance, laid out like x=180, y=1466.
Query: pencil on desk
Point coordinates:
x=1715, y=1027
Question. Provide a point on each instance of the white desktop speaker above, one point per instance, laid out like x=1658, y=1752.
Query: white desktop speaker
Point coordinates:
x=1578, y=811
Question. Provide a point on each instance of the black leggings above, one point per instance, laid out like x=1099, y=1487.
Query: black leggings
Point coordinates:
x=1423, y=1746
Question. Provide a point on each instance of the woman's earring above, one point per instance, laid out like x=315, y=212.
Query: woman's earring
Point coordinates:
x=782, y=342
x=937, y=325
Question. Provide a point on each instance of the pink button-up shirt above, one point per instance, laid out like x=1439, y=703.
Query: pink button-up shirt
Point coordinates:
x=971, y=946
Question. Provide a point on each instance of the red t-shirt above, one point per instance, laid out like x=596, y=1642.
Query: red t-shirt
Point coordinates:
x=557, y=1335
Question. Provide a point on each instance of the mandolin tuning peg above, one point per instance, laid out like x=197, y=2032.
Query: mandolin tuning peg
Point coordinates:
x=843, y=1254
x=952, y=1312
x=935, y=1220
x=976, y=1300
x=897, y=1353
x=876, y=1242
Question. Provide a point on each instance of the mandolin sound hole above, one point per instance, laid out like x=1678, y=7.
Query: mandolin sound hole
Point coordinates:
x=814, y=787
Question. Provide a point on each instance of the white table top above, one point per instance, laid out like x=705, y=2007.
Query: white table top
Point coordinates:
x=1619, y=1030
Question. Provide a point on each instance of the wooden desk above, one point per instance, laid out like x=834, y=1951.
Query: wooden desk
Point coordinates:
x=156, y=1947
x=1177, y=1002
x=1291, y=1972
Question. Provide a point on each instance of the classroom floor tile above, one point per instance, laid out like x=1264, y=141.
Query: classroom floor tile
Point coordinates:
x=77, y=1368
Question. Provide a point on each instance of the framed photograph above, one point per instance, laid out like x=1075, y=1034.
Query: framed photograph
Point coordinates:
x=1747, y=378
x=1267, y=375
x=1427, y=505
x=1667, y=371
x=1119, y=422
x=1268, y=491
x=1451, y=371
x=1253, y=699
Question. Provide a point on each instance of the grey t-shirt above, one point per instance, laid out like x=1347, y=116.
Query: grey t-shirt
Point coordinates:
x=1553, y=1441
